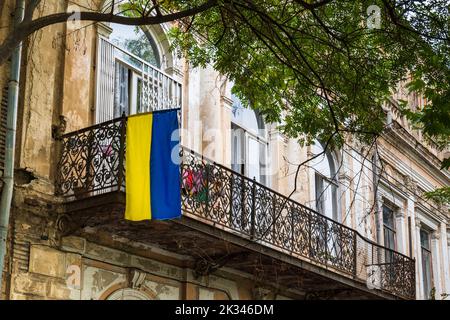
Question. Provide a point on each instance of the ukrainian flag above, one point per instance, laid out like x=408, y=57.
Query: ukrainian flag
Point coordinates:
x=153, y=188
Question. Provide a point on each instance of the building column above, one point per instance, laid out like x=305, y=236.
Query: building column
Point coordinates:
x=379, y=219
x=436, y=259
x=410, y=212
x=401, y=231
x=275, y=159
x=418, y=256
x=345, y=196
x=295, y=155
x=445, y=263
x=209, y=111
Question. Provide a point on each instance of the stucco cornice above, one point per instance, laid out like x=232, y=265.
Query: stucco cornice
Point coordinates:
x=400, y=134
x=415, y=151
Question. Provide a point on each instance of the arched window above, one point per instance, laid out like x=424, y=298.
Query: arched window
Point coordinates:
x=128, y=75
x=137, y=41
x=135, y=46
x=248, y=142
x=325, y=181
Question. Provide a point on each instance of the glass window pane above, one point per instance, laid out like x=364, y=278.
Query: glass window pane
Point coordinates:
x=319, y=197
x=424, y=239
x=253, y=159
x=388, y=217
x=426, y=270
x=426, y=262
x=263, y=166
x=237, y=149
x=122, y=88
x=133, y=39
x=321, y=163
x=389, y=238
x=325, y=197
x=139, y=95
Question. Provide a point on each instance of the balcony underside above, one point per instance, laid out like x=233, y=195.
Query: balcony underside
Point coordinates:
x=189, y=236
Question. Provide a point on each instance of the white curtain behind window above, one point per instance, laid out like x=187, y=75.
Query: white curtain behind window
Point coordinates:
x=325, y=182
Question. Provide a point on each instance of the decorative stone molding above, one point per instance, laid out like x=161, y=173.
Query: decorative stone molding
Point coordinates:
x=418, y=222
x=177, y=63
x=399, y=213
x=175, y=71
x=435, y=235
x=136, y=278
x=260, y=293
x=59, y=129
x=202, y=268
x=227, y=102
x=410, y=184
x=103, y=29
x=65, y=225
x=412, y=146
x=345, y=177
x=274, y=131
x=128, y=294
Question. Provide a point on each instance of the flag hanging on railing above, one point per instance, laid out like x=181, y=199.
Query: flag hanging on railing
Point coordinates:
x=152, y=167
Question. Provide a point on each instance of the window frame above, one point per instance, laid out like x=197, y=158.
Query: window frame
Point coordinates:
x=319, y=178
x=391, y=229
x=319, y=193
x=262, y=140
x=429, y=254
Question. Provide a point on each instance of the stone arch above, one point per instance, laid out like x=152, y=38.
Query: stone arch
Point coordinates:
x=123, y=290
x=129, y=294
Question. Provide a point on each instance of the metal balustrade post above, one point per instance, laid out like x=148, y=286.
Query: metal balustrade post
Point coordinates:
x=90, y=176
x=207, y=207
x=326, y=240
x=120, y=178
x=231, y=199
x=274, y=217
x=59, y=178
x=243, y=219
x=253, y=212
x=355, y=254
x=292, y=230
x=311, y=254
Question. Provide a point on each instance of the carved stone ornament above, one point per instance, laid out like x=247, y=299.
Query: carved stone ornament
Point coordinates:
x=136, y=278
x=260, y=293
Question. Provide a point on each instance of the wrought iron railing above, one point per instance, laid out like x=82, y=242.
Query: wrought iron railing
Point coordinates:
x=92, y=162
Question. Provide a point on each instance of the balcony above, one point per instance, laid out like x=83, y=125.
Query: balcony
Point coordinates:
x=230, y=219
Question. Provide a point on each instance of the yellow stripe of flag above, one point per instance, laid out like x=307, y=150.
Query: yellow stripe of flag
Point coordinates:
x=139, y=144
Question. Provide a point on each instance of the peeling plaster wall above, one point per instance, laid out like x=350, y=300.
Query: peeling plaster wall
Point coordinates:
x=73, y=272
x=58, y=78
x=6, y=16
x=41, y=95
x=78, y=99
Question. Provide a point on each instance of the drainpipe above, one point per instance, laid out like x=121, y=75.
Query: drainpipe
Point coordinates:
x=11, y=119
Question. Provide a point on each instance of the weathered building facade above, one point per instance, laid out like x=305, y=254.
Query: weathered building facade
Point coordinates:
x=355, y=227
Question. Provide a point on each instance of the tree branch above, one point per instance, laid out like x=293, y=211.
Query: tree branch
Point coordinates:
x=314, y=5
x=26, y=28
x=31, y=6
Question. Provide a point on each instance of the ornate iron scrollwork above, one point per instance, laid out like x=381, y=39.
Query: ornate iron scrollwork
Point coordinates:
x=93, y=162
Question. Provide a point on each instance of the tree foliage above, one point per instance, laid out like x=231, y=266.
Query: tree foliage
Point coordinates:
x=320, y=67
